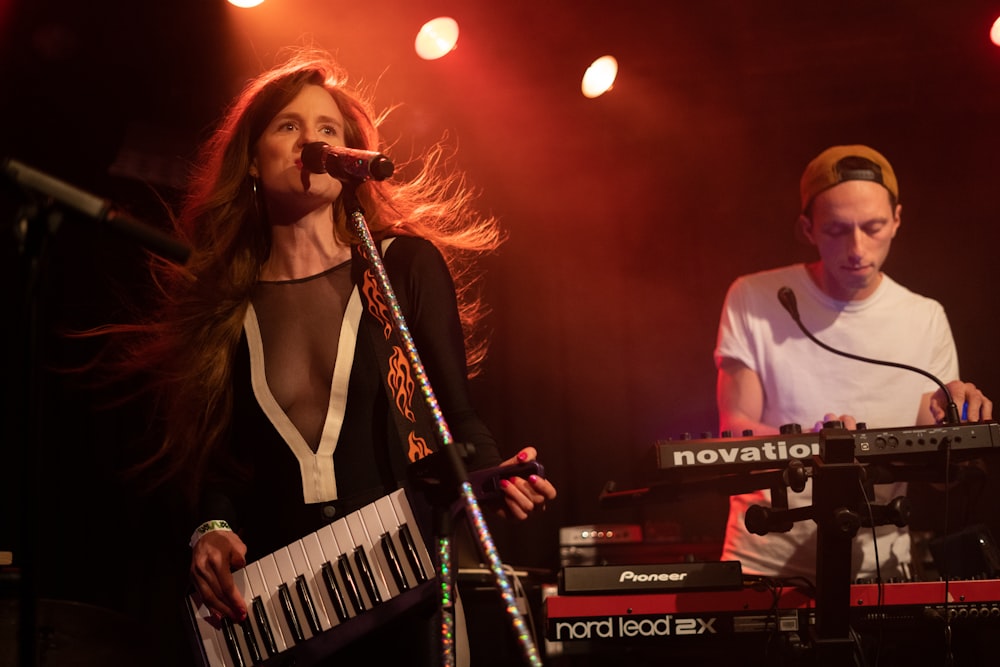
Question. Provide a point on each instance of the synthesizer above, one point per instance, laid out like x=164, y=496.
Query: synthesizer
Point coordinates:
x=649, y=578
x=314, y=595
x=916, y=444
x=752, y=609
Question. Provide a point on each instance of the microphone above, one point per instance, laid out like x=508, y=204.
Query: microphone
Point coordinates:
x=787, y=298
x=101, y=210
x=346, y=164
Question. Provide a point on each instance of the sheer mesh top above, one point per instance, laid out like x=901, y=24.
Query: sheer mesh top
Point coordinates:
x=300, y=322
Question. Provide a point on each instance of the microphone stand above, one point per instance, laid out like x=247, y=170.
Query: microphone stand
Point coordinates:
x=101, y=210
x=37, y=222
x=787, y=298
x=473, y=512
x=34, y=228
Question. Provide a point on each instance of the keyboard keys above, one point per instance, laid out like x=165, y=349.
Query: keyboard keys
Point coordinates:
x=279, y=602
x=310, y=594
x=318, y=583
x=366, y=556
x=414, y=547
x=263, y=611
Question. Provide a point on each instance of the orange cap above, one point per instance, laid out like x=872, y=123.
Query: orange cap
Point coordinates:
x=835, y=165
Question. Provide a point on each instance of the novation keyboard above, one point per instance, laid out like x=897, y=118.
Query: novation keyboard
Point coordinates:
x=916, y=444
x=314, y=595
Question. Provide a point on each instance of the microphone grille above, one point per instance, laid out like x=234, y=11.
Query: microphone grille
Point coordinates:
x=787, y=298
x=381, y=168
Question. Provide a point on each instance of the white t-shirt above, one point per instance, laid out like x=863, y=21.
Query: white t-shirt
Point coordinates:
x=802, y=382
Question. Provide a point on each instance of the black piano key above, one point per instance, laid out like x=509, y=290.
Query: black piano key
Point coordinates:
x=339, y=607
x=367, y=577
x=353, y=594
x=294, y=579
x=232, y=645
x=410, y=549
x=308, y=566
x=264, y=626
x=374, y=531
x=285, y=598
x=246, y=636
x=392, y=558
x=251, y=640
x=312, y=618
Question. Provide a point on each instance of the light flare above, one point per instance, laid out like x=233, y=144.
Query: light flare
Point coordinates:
x=437, y=38
x=599, y=77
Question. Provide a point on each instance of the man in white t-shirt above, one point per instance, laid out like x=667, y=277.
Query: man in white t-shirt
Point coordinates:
x=770, y=374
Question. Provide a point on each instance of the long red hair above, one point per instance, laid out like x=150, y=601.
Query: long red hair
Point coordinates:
x=185, y=347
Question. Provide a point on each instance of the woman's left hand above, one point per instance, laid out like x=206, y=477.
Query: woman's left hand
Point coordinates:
x=524, y=496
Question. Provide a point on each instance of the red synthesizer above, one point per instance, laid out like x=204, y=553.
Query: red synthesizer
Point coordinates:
x=757, y=609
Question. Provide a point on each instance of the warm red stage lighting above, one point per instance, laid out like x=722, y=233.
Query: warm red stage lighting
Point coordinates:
x=600, y=76
x=245, y=3
x=995, y=32
x=437, y=38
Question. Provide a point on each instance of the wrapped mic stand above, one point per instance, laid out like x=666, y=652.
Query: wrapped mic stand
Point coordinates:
x=457, y=472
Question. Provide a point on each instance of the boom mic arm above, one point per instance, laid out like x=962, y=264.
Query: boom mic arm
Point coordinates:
x=787, y=298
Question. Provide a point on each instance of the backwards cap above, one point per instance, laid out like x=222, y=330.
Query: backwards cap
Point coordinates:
x=840, y=163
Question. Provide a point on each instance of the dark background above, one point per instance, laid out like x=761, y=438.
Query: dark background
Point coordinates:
x=628, y=215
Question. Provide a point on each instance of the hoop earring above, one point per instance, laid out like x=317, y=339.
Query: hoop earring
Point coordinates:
x=254, y=196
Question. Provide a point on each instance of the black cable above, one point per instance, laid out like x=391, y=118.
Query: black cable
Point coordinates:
x=859, y=653
x=880, y=586
x=949, y=656
x=775, y=586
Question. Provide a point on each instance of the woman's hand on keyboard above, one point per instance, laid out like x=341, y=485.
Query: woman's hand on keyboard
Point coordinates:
x=213, y=558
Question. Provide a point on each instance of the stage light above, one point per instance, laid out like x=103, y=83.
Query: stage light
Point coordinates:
x=437, y=38
x=600, y=76
x=995, y=32
x=245, y=3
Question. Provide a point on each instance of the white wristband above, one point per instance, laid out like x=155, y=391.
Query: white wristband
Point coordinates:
x=208, y=527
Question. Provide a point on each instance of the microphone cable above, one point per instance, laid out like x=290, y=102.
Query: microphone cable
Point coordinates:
x=787, y=298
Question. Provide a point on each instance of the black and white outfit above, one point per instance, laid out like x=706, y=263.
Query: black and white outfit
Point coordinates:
x=314, y=436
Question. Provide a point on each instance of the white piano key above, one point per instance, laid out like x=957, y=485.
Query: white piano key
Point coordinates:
x=213, y=646
x=390, y=523
x=265, y=607
x=377, y=535
x=289, y=576
x=355, y=587
x=366, y=556
x=272, y=579
x=404, y=513
x=307, y=556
